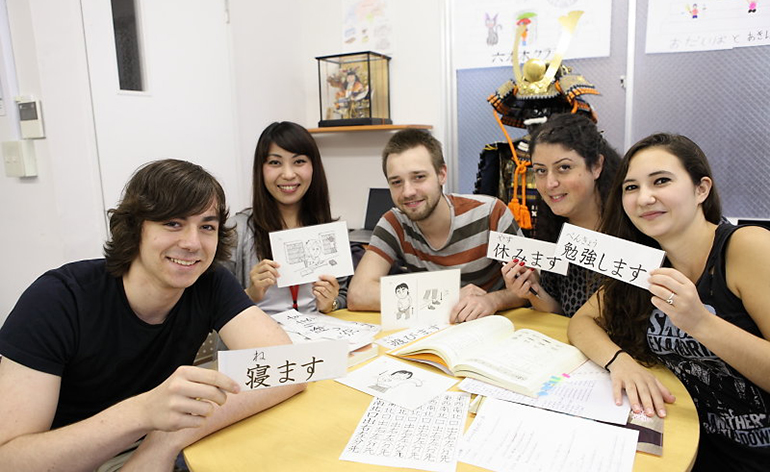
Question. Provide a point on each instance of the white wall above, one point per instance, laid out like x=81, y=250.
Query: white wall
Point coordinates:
x=268, y=71
x=59, y=215
x=417, y=94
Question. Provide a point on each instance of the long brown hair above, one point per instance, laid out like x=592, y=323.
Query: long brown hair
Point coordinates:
x=315, y=207
x=578, y=133
x=625, y=309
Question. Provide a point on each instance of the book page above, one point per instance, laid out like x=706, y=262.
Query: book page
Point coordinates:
x=458, y=341
x=523, y=363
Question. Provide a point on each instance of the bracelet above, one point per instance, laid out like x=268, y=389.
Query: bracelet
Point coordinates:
x=607, y=365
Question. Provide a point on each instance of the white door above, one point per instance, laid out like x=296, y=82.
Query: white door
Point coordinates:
x=186, y=110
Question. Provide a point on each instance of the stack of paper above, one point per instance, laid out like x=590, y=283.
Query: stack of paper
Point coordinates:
x=317, y=327
x=506, y=436
x=311, y=327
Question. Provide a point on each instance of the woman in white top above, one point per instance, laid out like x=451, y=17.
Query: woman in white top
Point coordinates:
x=289, y=191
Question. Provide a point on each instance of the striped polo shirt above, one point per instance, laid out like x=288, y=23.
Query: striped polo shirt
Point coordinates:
x=396, y=238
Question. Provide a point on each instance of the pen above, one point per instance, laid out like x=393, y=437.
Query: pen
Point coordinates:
x=531, y=290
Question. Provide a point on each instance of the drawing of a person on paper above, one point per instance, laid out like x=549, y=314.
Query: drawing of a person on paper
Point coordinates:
x=388, y=380
x=404, y=306
x=313, y=253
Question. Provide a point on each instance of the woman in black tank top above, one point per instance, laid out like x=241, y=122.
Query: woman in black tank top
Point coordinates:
x=705, y=314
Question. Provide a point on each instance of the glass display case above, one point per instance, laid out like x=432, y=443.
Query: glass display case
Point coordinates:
x=354, y=89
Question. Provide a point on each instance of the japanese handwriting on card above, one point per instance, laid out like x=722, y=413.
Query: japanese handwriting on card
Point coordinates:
x=307, y=252
x=614, y=257
x=319, y=327
x=406, y=336
x=535, y=253
x=288, y=364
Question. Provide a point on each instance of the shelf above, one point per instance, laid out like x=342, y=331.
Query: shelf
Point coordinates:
x=339, y=129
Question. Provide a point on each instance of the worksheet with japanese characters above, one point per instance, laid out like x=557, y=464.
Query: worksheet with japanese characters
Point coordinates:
x=398, y=382
x=507, y=436
x=426, y=438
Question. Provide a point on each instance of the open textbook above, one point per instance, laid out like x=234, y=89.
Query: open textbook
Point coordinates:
x=490, y=350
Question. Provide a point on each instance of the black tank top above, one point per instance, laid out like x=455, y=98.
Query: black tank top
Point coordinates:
x=734, y=413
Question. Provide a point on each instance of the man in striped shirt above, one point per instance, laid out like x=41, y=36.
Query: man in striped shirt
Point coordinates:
x=432, y=231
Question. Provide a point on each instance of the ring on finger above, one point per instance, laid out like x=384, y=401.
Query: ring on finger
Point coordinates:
x=670, y=299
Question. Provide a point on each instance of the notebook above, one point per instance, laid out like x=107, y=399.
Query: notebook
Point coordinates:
x=378, y=203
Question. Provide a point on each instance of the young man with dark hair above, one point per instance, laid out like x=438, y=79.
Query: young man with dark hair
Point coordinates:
x=431, y=231
x=97, y=354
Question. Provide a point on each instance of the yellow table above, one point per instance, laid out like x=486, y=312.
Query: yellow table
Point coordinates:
x=309, y=431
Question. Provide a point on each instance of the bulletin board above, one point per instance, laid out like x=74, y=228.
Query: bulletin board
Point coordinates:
x=717, y=98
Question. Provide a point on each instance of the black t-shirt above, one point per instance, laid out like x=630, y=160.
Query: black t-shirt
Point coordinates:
x=75, y=322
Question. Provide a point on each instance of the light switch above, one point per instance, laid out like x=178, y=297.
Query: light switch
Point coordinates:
x=30, y=119
x=19, y=158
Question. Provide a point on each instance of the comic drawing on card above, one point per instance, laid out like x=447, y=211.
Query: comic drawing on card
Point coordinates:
x=418, y=299
x=307, y=252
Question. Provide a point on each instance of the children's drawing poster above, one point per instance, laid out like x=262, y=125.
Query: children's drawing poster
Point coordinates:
x=706, y=25
x=623, y=260
x=533, y=252
x=484, y=31
x=419, y=298
x=305, y=253
x=366, y=26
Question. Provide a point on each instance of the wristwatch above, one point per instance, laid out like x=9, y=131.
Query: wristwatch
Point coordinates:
x=335, y=305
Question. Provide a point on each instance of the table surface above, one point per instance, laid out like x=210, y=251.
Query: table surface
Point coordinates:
x=310, y=430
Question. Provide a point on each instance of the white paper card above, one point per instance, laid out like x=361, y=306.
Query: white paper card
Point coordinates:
x=585, y=392
x=534, y=252
x=398, y=382
x=273, y=366
x=406, y=336
x=510, y=437
x=419, y=298
x=307, y=252
x=614, y=257
x=318, y=327
x=424, y=439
